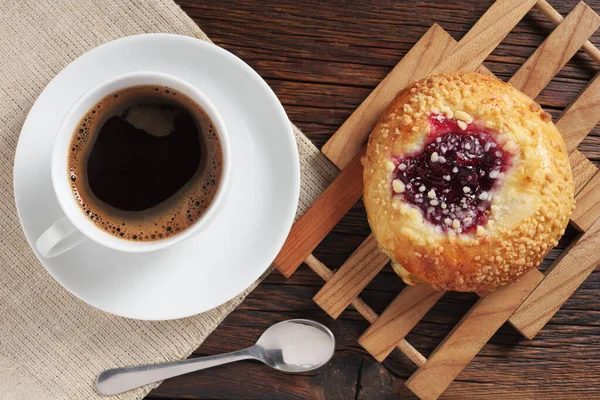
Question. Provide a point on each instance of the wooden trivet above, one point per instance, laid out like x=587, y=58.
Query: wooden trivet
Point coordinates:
x=527, y=304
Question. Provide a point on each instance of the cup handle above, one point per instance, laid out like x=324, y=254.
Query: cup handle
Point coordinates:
x=57, y=239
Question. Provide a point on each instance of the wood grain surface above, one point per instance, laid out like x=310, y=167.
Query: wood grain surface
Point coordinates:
x=351, y=278
x=413, y=303
x=560, y=283
x=323, y=58
x=398, y=319
x=489, y=30
x=560, y=46
x=467, y=338
x=427, y=52
x=366, y=311
x=322, y=216
x=587, y=211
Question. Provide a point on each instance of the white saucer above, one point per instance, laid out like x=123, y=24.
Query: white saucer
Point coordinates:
x=218, y=263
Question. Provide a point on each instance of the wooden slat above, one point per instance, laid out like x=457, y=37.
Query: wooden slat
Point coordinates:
x=398, y=319
x=367, y=312
x=560, y=283
x=381, y=337
x=574, y=124
x=581, y=116
x=587, y=205
x=556, y=18
x=352, y=277
x=517, y=317
x=321, y=217
x=469, y=336
x=485, y=35
x=582, y=168
x=415, y=65
x=390, y=333
x=379, y=342
x=582, y=172
x=557, y=49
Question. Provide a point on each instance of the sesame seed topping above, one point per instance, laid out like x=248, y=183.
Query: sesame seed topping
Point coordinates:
x=422, y=188
x=434, y=202
x=398, y=186
x=448, y=112
x=510, y=146
x=434, y=157
x=466, y=189
x=463, y=116
x=402, y=167
x=431, y=194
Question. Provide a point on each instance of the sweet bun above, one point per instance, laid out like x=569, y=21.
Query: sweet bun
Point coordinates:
x=467, y=183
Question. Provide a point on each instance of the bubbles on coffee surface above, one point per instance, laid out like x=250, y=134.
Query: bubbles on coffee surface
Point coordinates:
x=180, y=209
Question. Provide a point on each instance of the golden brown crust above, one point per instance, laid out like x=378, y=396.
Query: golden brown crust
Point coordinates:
x=530, y=209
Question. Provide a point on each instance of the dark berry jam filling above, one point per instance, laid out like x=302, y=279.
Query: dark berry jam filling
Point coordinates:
x=454, y=178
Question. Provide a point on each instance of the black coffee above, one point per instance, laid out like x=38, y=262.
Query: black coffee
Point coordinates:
x=145, y=163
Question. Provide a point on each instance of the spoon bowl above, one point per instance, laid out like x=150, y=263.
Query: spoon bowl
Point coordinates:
x=295, y=345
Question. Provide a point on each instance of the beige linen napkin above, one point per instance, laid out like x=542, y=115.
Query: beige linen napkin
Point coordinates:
x=52, y=345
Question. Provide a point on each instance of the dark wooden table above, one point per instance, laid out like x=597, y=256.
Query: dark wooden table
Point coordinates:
x=322, y=58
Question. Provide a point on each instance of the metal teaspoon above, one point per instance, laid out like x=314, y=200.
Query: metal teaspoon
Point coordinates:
x=295, y=345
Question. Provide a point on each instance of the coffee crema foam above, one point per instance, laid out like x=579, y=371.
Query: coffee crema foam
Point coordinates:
x=177, y=212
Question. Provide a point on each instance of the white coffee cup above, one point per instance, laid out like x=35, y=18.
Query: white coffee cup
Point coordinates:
x=75, y=226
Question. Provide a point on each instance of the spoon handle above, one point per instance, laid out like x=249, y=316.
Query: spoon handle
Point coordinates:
x=119, y=380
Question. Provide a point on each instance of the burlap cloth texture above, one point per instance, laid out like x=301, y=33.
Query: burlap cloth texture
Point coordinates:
x=52, y=345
